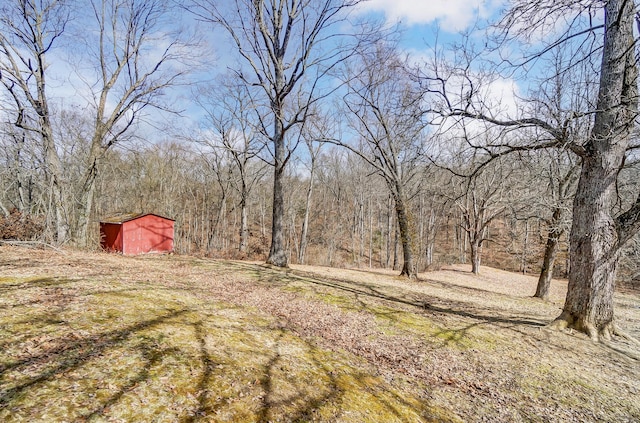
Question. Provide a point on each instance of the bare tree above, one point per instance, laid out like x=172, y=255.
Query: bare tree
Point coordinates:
x=231, y=116
x=598, y=232
x=481, y=203
x=562, y=175
x=137, y=58
x=28, y=32
x=385, y=109
x=287, y=48
x=477, y=189
x=314, y=153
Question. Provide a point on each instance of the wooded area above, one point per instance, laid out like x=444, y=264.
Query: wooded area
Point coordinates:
x=325, y=143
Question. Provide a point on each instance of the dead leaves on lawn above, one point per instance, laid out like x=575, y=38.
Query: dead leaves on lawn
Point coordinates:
x=98, y=337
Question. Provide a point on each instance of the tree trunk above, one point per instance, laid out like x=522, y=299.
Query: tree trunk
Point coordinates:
x=476, y=250
x=594, y=255
x=244, y=227
x=53, y=164
x=544, y=281
x=408, y=269
x=550, y=254
x=81, y=233
x=277, y=253
x=54, y=179
x=81, y=237
x=61, y=223
x=305, y=220
x=595, y=235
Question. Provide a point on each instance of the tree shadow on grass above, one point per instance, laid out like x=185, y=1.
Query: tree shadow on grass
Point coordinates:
x=203, y=408
x=152, y=354
x=69, y=352
x=309, y=402
x=6, y=288
x=72, y=354
x=292, y=382
x=267, y=379
x=421, y=302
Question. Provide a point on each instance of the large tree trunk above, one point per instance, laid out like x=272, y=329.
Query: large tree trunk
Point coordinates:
x=81, y=234
x=594, y=254
x=277, y=253
x=54, y=176
x=596, y=237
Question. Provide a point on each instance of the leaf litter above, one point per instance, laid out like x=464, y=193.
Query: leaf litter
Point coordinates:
x=101, y=337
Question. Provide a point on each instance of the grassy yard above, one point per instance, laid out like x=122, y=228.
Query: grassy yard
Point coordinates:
x=100, y=337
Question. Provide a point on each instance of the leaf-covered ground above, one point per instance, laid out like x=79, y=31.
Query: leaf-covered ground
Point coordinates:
x=101, y=337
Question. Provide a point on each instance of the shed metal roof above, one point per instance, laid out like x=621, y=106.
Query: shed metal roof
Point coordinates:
x=126, y=217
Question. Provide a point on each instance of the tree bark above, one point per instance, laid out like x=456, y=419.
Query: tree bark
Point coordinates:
x=81, y=236
x=408, y=269
x=550, y=254
x=81, y=232
x=53, y=168
x=305, y=220
x=544, y=281
x=277, y=253
x=595, y=234
x=476, y=249
x=244, y=227
x=594, y=255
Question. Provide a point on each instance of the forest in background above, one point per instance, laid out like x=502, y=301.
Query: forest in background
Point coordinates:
x=351, y=217
x=518, y=137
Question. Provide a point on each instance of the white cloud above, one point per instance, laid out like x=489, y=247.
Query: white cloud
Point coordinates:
x=499, y=99
x=452, y=15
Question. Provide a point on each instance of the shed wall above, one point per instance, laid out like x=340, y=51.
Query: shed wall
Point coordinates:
x=149, y=233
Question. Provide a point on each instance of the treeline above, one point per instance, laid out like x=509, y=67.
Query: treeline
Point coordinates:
x=352, y=221
x=325, y=142
x=511, y=209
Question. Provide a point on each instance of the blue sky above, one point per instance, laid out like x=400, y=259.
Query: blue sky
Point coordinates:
x=419, y=19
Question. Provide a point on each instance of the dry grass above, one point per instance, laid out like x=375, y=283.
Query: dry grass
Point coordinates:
x=99, y=337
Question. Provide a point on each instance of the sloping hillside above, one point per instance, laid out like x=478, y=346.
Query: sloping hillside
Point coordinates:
x=99, y=337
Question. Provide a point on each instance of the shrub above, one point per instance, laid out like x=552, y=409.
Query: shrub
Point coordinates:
x=20, y=226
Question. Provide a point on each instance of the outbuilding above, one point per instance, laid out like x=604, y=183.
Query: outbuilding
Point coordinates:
x=131, y=233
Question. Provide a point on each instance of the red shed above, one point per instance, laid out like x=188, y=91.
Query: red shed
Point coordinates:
x=133, y=234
